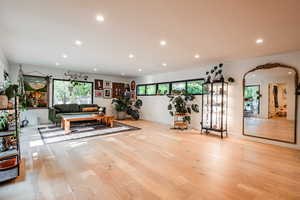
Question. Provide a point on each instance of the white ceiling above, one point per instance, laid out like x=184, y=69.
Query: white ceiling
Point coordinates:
x=38, y=32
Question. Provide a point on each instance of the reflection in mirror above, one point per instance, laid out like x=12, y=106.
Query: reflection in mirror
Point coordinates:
x=270, y=103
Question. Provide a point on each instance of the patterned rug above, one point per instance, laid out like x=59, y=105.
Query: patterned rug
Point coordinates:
x=52, y=133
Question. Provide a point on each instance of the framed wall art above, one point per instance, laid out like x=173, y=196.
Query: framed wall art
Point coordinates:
x=98, y=84
x=107, y=84
x=36, y=91
x=107, y=93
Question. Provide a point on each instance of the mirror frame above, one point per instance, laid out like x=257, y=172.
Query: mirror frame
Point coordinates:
x=271, y=66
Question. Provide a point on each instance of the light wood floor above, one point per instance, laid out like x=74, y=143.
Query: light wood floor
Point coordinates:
x=278, y=128
x=154, y=163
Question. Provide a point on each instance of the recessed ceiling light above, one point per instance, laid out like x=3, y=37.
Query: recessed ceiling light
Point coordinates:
x=131, y=56
x=140, y=70
x=290, y=72
x=99, y=18
x=95, y=69
x=64, y=55
x=123, y=74
x=259, y=41
x=197, y=56
x=164, y=64
x=163, y=43
x=78, y=43
x=57, y=63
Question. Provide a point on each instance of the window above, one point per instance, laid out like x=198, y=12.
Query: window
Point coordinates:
x=195, y=87
x=141, y=90
x=151, y=89
x=179, y=86
x=64, y=92
x=163, y=88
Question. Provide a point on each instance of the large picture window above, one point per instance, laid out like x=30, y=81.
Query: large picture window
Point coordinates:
x=65, y=92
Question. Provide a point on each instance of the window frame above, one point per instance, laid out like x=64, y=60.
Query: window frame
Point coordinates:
x=155, y=90
x=170, y=86
x=137, y=90
x=57, y=79
x=169, y=83
x=202, y=79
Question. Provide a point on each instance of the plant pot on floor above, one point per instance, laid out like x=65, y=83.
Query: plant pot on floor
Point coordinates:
x=121, y=115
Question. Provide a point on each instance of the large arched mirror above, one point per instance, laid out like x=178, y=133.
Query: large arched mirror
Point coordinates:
x=270, y=102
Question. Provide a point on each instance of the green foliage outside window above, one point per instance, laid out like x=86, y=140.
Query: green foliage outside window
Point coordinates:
x=151, y=89
x=195, y=87
x=163, y=88
x=64, y=92
x=141, y=90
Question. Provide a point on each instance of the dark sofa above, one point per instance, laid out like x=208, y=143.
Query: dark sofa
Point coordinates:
x=58, y=110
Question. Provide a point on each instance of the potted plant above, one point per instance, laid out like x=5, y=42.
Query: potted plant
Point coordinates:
x=4, y=123
x=125, y=106
x=180, y=104
x=6, y=94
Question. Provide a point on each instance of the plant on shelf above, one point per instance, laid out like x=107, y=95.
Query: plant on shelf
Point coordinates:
x=125, y=106
x=6, y=93
x=180, y=103
x=4, y=123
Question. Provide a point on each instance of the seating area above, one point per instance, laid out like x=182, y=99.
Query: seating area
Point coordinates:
x=149, y=100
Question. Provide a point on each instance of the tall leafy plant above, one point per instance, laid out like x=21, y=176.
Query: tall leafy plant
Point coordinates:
x=129, y=106
x=182, y=103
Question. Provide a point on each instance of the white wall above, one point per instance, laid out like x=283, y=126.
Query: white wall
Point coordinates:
x=155, y=107
x=39, y=116
x=3, y=65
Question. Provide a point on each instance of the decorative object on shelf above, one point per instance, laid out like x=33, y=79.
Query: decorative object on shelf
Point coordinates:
x=4, y=123
x=214, y=107
x=76, y=76
x=132, y=85
x=98, y=84
x=125, y=106
x=215, y=74
x=180, y=107
x=107, y=84
x=107, y=93
x=230, y=80
x=36, y=91
x=8, y=92
x=98, y=93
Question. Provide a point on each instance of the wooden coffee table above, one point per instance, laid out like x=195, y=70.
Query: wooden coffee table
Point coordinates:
x=67, y=119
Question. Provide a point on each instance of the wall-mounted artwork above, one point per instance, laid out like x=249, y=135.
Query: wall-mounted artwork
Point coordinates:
x=107, y=84
x=107, y=94
x=98, y=93
x=36, y=90
x=132, y=85
x=98, y=84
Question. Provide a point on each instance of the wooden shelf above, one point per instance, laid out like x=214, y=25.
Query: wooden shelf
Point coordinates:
x=8, y=154
x=7, y=133
x=9, y=174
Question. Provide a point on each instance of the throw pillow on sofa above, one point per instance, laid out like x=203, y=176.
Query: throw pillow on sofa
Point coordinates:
x=90, y=109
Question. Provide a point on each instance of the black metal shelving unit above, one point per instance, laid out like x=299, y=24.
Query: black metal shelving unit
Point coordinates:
x=214, y=108
x=11, y=152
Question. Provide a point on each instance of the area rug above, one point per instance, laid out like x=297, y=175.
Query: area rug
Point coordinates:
x=52, y=134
